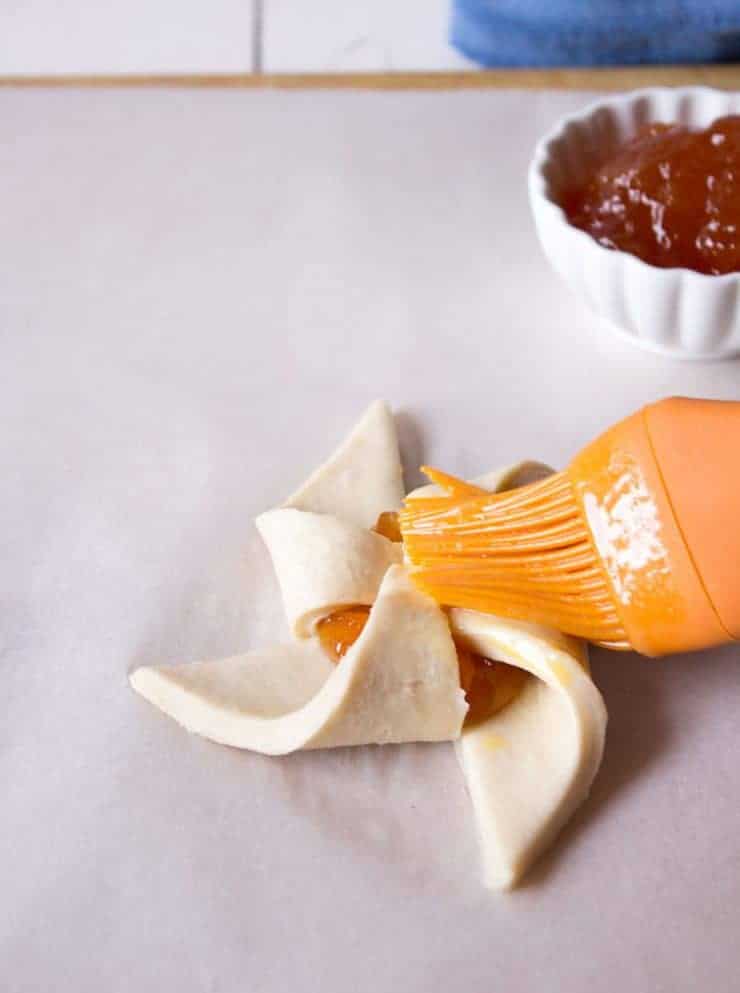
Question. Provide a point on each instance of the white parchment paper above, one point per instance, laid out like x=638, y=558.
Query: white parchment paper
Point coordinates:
x=199, y=292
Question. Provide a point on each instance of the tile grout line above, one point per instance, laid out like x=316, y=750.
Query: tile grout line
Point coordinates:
x=257, y=35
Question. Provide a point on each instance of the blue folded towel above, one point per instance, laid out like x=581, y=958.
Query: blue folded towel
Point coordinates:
x=596, y=32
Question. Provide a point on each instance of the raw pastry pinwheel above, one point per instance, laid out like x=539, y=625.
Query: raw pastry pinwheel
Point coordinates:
x=527, y=766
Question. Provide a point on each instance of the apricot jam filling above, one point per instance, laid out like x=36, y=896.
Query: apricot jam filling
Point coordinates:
x=339, y=631
x=489, y=685
x=670, y=196
x=388, y=525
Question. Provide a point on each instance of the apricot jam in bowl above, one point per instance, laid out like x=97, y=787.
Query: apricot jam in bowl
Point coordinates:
x=636, y=201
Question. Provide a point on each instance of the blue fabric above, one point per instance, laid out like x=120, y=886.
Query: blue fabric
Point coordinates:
x=596, y=32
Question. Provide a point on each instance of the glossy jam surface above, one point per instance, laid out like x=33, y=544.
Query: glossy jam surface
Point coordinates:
x=489, y=685
x=388, y=525
x=339, y=631
x=671, y=196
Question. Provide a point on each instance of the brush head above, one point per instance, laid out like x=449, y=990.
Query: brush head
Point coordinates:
x=635, y=545
x=525, y=553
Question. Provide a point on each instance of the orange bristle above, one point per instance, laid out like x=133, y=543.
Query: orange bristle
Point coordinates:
x=525, y=553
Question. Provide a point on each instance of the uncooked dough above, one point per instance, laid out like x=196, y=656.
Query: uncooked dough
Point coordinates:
x=531, y=765
x=323, y=562
x=527, y=768
x=400, y=680
x=363, y=478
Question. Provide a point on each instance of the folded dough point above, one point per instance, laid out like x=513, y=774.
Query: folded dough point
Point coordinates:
x=398, y=682
x=531, y=765
x=362, y=478
x=243, y=700
x=322, y=562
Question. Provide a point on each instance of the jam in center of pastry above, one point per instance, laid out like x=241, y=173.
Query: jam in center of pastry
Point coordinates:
x=489, y=685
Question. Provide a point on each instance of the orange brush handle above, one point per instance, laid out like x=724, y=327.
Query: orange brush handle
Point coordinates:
x=660, y=493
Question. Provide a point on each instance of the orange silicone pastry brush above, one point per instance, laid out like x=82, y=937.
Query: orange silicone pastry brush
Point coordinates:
x=635, y=545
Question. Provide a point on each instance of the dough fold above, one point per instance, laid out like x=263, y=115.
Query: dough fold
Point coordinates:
x=398, y=682
x=323, y=562
x=531, y=765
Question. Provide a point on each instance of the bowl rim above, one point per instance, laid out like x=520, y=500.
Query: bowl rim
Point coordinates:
x=537, y=183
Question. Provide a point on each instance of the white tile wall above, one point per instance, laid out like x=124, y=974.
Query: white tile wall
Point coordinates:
x=112, y=37
x=357, y=36
x=160, y=37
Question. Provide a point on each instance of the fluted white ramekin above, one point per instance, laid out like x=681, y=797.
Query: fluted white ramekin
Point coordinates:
x=677, y=312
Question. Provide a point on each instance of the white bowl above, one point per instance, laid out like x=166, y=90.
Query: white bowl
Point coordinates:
x=677, y=312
